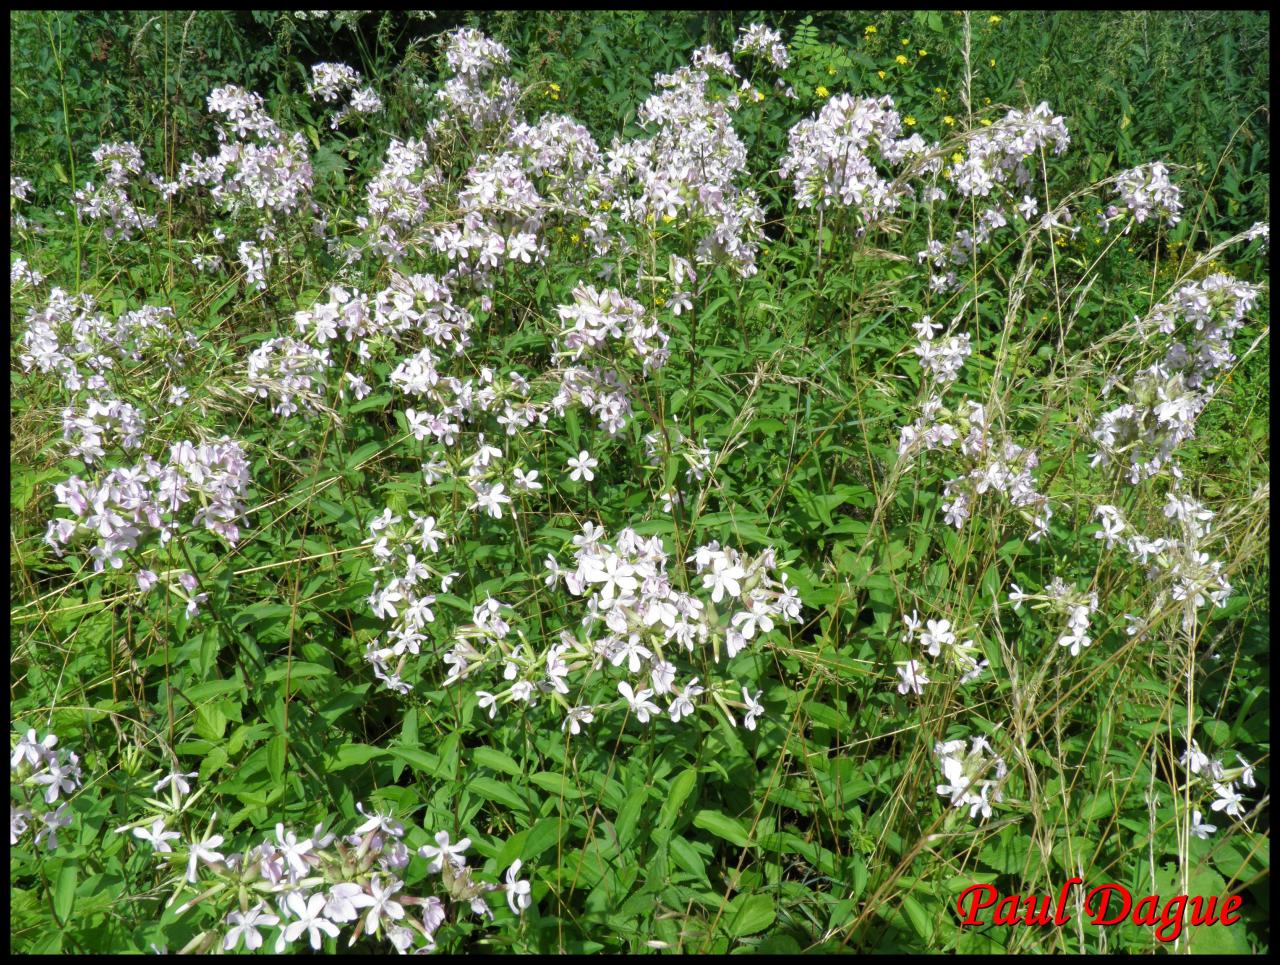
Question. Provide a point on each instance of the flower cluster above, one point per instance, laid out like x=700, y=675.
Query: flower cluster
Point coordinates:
x=995, y=463
x=761, y=41
x=973, y=777
x=70, y=337
x=1147, y=192
x=1209, y=774
x=288, y=372
x=1176, y=565
x=311, y=886
x=990, y=459
x=398, y=198
x=995, y=169
x=122, y=506
x=595, y=317
x=38, y=776
x=831, y=158
x=329, y=82
x=939, y=641
x=1165, y=399
x=109, y=201
x=638, y=620
x=1063, y=600
x=85, y=431
x=1000, y=152
x=257, y=168
x=472, y=100
x=687, y=170
x=405, y=597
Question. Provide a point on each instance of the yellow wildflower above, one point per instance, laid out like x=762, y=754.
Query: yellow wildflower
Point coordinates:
x=831, y=71
x=948, y=120
x=922, y=52
x=822, y=91
x=757, y=96
x=909, y=121
x=906, y=41
x=992, y=62
x=668, y=218
x=957, y=157
x=993, y=19
x=900, y=59
x=880, y=74
x=985, y=122
x=871, y=28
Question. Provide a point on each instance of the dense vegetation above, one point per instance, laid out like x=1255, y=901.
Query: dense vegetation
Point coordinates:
x=610, y=481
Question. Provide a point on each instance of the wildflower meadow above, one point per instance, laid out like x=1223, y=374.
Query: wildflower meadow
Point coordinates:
x=602, y=481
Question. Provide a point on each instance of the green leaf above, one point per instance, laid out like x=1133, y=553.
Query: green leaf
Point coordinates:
x=64, y=891
x=722, y=826
x=752, y=914
x=918, y=917
x=353, y=755
x=420, y=761
x=677, y=794
x=276, y=748
x=496, y=791
x=496, y=760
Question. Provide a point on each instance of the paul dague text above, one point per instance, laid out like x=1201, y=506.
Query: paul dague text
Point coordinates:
x=1099, y=908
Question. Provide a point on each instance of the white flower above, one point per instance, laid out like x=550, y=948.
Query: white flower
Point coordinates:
x=419, y=423
x=937, y=636
x=179, y=781
x=723, y=578
x=747, y=621
x=639, y=703
x=662, y=675
x=33, y=751
x=157, y=835
x=310, y=920
x=913, y=678
x=754, y=708
x=1229, y=800
x=615, y=573
x=246, y=927
x=912, y=626
x=295, y=852
x=381, y=822
x=1016, y=596
x=519, y=895
x=381, y=906
x=444, y=851
x=203, y=851
x=490, y=498
x=527, y=482
x=431, y=536
x=53, y=820
x=576, y=717
x=682, y=704
x=1199, y=828
x=582, y=466
x=344, y=901
x=433, y=915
